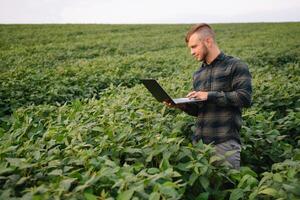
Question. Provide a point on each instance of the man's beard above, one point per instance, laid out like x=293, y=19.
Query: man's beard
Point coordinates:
x=204, y=54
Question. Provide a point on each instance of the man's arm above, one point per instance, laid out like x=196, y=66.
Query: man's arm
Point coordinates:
x=242, y=89
x=239, y=97
x=190, y=108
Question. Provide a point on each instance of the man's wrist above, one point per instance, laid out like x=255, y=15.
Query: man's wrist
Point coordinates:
x=211, y=96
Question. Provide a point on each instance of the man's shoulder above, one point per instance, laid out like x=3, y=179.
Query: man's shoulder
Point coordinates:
x=236, y=62
x=238, y=67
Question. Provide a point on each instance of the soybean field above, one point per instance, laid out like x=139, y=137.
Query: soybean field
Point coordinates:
x=76, y=123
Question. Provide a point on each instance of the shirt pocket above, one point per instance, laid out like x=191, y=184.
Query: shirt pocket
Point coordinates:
x=199, y=82
x=222, y=81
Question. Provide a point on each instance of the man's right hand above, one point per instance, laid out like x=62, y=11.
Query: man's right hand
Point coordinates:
x=168, y=104
x=179, y=106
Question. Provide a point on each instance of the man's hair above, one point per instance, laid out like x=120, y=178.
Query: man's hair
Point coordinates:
x=202, y=29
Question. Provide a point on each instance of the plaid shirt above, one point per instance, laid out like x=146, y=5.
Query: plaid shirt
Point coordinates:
x=228, y=83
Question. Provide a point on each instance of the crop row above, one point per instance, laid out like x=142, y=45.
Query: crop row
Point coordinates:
x=57, y=64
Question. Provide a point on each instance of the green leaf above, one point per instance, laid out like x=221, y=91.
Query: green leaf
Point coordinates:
x=184, y=166
x=169, y=191
x=204, y=182
x=56, y=172
x=66, y=183
x=54, y=163
x=16, y=162
x=269, y=191
x=247, y=180
x=22, y=180
x=169, y=184
x=5, y=194
x=203, y=196
x=229, y=153
x=153, y=171
x=214, y=159
x=126, y=195
x=247, y=170
x=89, y=196
x=236, y=194
x=132, y=150
x=164, y=164
x=4, y=170
x=193, y=178
x=277, y=177
x=149, y=158
x=98, y=129
x=154, y=196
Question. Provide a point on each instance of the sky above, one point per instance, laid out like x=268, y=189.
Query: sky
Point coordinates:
x=147, y=11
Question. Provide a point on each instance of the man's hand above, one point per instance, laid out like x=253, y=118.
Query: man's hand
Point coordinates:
x=179, y=106
x=198, y=95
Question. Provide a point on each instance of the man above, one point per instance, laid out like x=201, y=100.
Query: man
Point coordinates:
x=224, y=84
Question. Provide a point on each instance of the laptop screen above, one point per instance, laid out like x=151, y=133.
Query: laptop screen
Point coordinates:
x=156, y=90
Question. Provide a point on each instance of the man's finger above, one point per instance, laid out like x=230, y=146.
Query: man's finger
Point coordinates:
x=167, y=103
x=194, y=95
x=189, y=95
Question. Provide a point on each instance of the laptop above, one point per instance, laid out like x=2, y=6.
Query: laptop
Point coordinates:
x=161, y=95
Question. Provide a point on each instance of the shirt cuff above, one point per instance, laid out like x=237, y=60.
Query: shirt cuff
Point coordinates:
x=212, y=96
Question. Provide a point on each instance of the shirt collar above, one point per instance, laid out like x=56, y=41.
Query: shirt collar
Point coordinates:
x=220, y=57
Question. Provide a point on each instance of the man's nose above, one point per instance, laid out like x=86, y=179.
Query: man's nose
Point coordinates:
x=192, y=52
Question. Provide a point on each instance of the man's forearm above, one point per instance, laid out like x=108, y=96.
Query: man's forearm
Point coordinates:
x=239, y=98
x=191, y=109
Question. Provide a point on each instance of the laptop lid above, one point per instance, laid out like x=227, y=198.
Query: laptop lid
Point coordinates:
x=156, y=90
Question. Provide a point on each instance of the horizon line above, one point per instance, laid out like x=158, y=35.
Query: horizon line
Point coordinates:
x=171, y=23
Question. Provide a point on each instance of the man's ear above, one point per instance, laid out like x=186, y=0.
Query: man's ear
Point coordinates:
x=208, y=42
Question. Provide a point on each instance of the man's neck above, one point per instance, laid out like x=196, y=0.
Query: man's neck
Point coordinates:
x=212, y=55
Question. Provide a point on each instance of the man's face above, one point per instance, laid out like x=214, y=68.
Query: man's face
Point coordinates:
x=198, y=47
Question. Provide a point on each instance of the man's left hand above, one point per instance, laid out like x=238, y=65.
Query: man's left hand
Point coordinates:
x=198, y=95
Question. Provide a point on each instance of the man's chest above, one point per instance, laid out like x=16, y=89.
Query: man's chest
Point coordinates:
x=213, y=78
